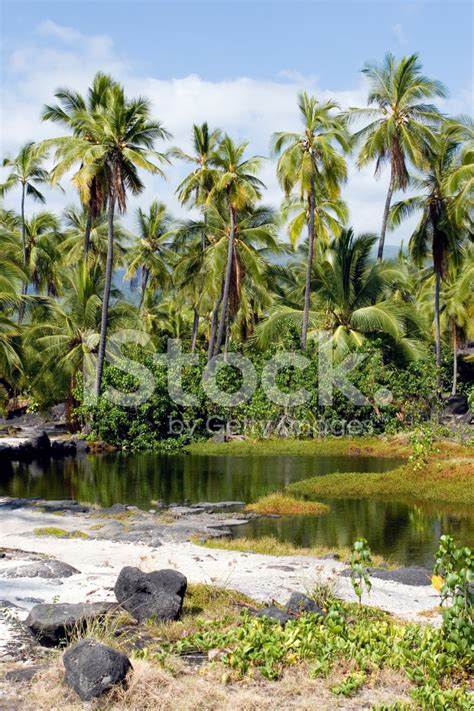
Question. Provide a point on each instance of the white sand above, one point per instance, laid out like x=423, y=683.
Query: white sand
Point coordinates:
x=263, y=577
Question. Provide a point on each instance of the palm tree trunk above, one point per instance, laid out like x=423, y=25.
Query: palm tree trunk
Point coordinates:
x=145, y=278
x=309, y=269
x=227, y=280
x=227, y=338
x=438, y=328
x=195, y=329
x=388, y=202
x=212, y=334
x=455, y=360
x=24, y=288
x=87, y=233
x=106, y=298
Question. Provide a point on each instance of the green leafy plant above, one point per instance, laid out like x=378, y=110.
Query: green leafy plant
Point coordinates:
x=350, y=685
x=423, y=447
x=455, y=565
x=360, y=562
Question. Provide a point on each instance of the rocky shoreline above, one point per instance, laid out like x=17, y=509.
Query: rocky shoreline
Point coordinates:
x=65, y=557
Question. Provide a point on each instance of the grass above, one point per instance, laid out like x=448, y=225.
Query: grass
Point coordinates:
x=444, y=481
x=255, y=664
x=285, y=505
x=354, y=446
x=150, y=687
x=58, y=532
x=268, y=545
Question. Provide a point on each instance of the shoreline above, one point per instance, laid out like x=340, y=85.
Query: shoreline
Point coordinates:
x=98, y=558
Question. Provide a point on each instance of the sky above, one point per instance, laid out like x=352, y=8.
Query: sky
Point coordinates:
x=239, y=65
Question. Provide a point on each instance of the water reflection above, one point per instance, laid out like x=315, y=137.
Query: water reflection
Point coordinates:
x=407, y=532
x=141, y=478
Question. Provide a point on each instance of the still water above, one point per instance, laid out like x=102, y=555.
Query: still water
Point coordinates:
x=406, y=532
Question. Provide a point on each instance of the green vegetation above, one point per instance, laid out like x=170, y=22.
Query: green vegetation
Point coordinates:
x=227, y=279
x=456, y=567
x=284, y=505
x=58, y=532
x=442, y=481
x=268, y=545
x=353, y=446
x=361, y=560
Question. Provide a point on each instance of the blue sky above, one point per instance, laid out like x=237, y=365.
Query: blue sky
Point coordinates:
x=238, y=64
x=223, y=40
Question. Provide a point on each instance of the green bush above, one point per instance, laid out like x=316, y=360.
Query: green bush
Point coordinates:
x=155, y=424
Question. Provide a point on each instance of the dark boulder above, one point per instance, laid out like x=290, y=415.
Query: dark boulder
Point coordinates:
x=273, y=613
x=63, y=448
x=23, y=674
x=156, y=595
x=92, y=668
x=52, y=624
x=172, y=581
x=301, y=603
x=52, y=569
x=40, y=444
x=456, y=405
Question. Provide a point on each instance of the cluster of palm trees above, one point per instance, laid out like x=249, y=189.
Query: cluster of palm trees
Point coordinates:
x=229, y=275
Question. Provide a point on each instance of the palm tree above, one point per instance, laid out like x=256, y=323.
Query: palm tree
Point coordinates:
x=235, y=183
x=255, y=238
x=151, y=254
x=310, y=162
x=195, y=188
x=42, y=253
x=401, y=128
x=112, y=143
x=352, y=300
x=444, y=221
x=68, y=112
x=72, y=243
x=12, y=276
x=27, y=172
x=456, y=304
x=67, y=336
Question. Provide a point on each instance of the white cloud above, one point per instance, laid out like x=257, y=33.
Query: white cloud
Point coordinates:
x=248, y=109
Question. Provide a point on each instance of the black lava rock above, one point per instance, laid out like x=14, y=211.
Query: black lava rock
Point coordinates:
x=156, y=595
x=301, y=603
x=92, y=668
x=52, y=624
x=274, y=613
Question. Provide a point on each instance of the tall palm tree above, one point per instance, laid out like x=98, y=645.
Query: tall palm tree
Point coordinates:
x=112, y=143
x=456, y=304
x=195, y=188
x=352, y=299
x=401, y=128
x=68, y=112
x=27, y=172
x=310, y=162
x=444, y=223
x=151, y=254
x=236, y=185
x=255, y=238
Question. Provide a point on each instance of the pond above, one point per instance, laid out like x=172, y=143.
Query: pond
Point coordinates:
x=405, y=532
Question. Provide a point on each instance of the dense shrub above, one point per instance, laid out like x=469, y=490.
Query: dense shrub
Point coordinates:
x=162, y=423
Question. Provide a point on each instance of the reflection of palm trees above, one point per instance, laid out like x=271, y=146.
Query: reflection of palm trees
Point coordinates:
x=406, y=533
